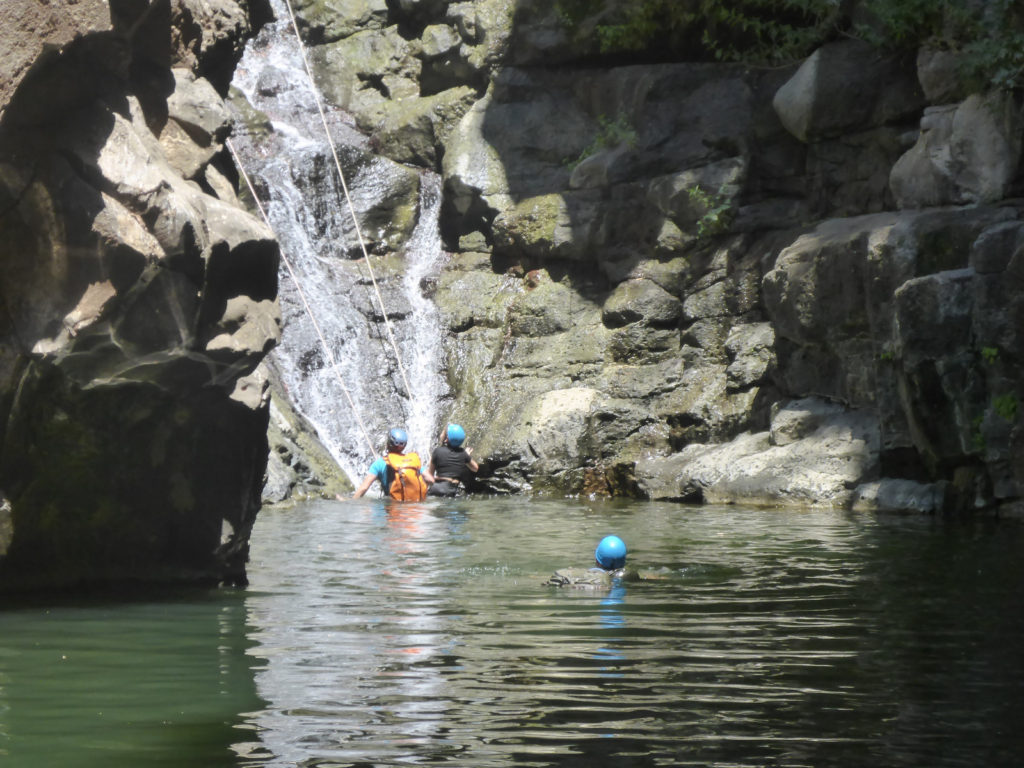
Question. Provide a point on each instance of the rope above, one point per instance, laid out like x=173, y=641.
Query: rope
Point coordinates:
x=305, y=303
x=348, y=198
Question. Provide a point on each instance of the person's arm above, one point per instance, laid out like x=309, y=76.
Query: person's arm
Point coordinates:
x=473, y=466
x=428, y=472
x=367, y=482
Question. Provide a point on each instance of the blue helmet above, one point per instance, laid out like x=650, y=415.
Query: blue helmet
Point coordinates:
x=456, y=435
x=611, y=553
x=397, y=438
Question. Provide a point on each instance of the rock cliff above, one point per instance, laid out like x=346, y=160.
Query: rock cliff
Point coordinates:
x=795, y=285
x=138, y=297
x=673, y=280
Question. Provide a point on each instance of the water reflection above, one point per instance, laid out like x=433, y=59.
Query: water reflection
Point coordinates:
x=786, y=639
x=370, y=619
x=377, y=635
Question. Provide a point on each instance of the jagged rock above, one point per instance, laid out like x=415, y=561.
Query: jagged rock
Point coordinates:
x=32, y=28
x=326, y=21
x=197, y=123
x=542, y=310
x=939, y=72
x=700, y=199
x=844, y=87
x=893, y=495
x=825, y=450
x=923, y=176
x=835, y=285
x=300, y=466
x=206, y=35
x=966, y=153
x=555, y=226
x=485, y=26
x=640, y=300
x=411, y=130
x=752, y=350
x=137, y=307
x=504, y=157
x=943, y=386
x=438, y=40
x=362, y=73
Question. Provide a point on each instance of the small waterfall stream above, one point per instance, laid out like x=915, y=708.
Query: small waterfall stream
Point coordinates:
x=293, y=170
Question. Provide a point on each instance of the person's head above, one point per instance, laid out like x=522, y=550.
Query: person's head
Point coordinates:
x=455, y=435
x=397, y=440
x=611, y=553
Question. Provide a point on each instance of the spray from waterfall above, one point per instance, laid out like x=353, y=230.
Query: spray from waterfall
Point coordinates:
x=291, y=168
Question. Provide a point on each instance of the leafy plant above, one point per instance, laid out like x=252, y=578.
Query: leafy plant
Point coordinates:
x=610, y=134
x=717, y=210
x=753, y=31
x=990, y=354
x=1006, y=406
x=989, y=35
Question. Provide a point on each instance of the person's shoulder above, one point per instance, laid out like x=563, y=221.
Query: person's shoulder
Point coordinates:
x=378, y=465
x=579, y=578
x=628, y=574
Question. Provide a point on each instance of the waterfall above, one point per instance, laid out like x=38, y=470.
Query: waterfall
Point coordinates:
x=293, y=170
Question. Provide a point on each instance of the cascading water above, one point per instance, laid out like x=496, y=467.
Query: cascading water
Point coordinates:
x=291, y=165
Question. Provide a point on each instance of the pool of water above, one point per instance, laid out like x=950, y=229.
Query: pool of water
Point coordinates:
x=376, y=635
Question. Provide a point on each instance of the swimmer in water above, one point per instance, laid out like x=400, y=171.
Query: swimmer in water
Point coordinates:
x=609, y=568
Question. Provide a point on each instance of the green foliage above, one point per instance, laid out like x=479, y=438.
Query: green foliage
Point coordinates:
x=899, y=23
x=1006, y=406
x=977, y=435
x=988, y=35
x=716, y=211
x=990, y=354
x=610, y=134
x=754, y=31
x=997, y=60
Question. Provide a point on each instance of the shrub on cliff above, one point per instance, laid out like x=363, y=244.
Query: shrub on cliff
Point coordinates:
x=988, y=35
x=755, y=31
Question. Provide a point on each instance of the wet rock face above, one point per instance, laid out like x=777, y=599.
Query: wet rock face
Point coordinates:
x=138, y=298
x=654, y=264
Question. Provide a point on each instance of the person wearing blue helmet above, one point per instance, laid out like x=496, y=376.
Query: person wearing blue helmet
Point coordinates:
x=610, y=553
x=399, y=473
x=609, y=570
x=451, y=464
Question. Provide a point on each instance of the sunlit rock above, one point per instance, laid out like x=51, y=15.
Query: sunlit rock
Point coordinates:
x=832, y=451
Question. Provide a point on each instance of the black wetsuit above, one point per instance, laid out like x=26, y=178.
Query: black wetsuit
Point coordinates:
x=451, y=471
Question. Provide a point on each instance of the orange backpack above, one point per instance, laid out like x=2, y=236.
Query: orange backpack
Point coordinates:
x=406, y=483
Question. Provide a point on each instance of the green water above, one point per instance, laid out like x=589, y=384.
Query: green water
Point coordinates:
x=420, y=635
